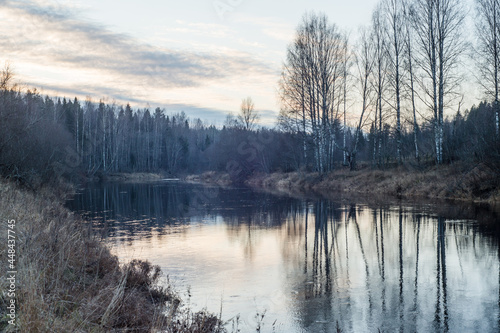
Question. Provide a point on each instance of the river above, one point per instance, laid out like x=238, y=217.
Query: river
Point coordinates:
x=294, y=264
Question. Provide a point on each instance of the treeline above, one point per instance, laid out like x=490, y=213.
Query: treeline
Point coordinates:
x=42, y=139
x=401, y=76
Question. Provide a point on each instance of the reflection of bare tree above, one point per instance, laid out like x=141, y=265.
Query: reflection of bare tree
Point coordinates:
x=129, y=210
x=343, y=288
x=305, y=243
x=401, y=272
x=416, y=218
x=441, y=314
x=353, y=216
x=382, y=273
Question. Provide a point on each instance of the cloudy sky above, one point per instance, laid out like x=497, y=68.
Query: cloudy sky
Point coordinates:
x=200, y=56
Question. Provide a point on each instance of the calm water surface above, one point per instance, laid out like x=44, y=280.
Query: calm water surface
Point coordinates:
x=309, y=265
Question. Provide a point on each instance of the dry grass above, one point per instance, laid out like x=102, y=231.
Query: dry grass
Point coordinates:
x=132, y=177
x=476, y=183
x=68, y=281
x=210, y=177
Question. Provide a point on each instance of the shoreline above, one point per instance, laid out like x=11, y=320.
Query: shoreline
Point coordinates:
x=126, y=177
x=477, y=184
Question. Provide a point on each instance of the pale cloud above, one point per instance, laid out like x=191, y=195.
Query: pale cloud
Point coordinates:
x=202, y=29
x=57, y=37
x=86, y=58
x=272, y=27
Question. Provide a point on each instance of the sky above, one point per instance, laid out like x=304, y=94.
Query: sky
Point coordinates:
x=198, y=56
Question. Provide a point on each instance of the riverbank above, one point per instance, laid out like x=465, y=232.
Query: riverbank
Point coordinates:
x=477, y=183
x=66, y=280
x=211, y=177
x=138, y=177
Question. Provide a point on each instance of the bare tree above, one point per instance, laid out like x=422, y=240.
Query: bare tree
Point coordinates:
x=346, y=65
x=293, y=88
x=6, y=77
x=488, y=32
x=380, y=47
x=438, y=27
x=395, y=23
x=248, y=116
x=312, y=84
x=231, y=121
x=365, y=62
x=411, y=73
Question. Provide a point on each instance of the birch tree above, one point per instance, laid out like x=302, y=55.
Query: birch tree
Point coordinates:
x=311, y=86
x=488, y=33
x=409, y=65
x=394, y=16
x=380, y=70
x=438, y=27
x=365, y=62
x=347, y=63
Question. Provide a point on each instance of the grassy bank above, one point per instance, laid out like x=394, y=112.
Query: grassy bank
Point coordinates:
x=131, y=177
x=210, y=177
x=458, y=182
x=68, y=281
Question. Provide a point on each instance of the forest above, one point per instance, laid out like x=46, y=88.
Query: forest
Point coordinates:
x=392, y=96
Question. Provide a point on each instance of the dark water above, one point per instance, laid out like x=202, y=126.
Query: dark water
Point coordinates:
x=309, y=265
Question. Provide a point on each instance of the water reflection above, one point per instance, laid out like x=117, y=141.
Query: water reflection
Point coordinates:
x=131, y=210
x=313, y=265
x=389, y=269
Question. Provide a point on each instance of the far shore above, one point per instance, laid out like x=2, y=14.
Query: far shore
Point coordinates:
x=477, y=183
x=132, y=177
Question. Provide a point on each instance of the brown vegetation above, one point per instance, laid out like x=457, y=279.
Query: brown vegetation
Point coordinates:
x=68, y=281
x=210, y=177
x=131, y=177
x=456, y=181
